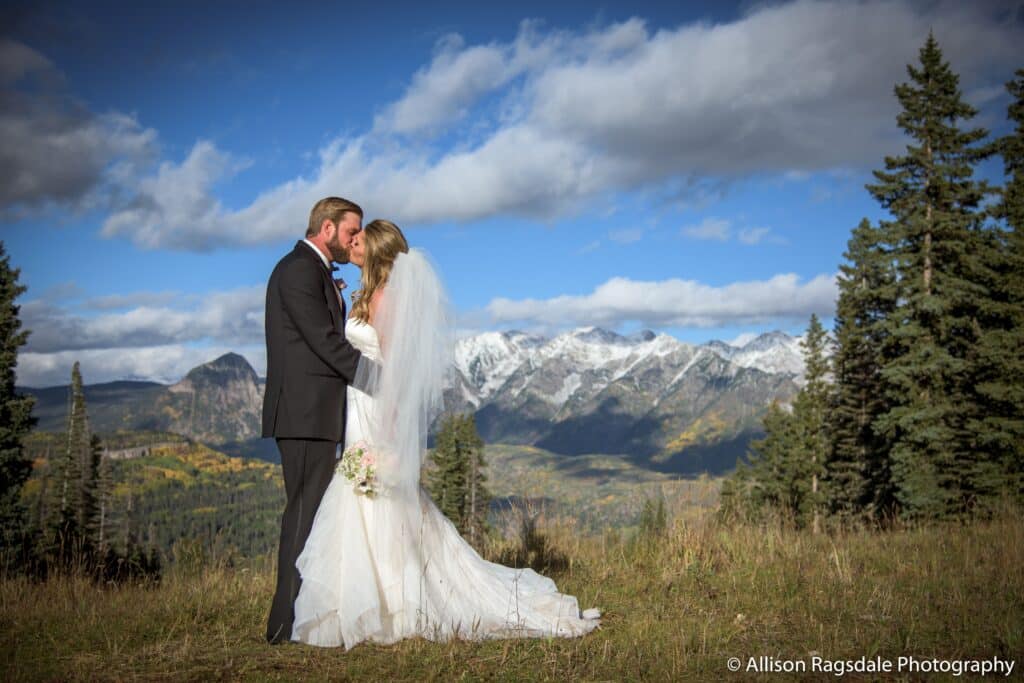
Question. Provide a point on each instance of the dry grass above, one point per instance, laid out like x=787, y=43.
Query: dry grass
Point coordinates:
x=674, y=608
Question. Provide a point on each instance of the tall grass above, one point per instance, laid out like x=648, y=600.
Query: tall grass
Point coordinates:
x=675, y=606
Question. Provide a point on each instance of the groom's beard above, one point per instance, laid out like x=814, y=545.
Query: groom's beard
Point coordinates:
x=339, y=254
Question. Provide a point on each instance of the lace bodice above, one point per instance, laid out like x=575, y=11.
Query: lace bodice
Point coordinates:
x=363, y=337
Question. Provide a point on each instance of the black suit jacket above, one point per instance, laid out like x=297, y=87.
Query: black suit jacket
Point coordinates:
x=309, y=361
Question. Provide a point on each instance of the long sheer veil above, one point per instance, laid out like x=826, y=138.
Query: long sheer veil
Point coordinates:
x=414, y=326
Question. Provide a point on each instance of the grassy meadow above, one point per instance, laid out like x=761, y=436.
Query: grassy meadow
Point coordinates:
x=675, y=607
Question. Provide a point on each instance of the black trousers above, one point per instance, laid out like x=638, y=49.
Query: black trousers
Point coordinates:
x=307, y=467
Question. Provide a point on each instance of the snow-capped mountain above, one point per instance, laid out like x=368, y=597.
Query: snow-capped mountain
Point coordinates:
x=646, y=395
x=770, y=352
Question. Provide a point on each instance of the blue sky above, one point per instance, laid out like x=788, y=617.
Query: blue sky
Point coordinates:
x=693, y=168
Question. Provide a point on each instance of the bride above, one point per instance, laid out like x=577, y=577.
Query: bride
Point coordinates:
x=388, y=566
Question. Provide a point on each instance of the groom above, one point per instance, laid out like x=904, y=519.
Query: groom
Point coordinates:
x=309, y=364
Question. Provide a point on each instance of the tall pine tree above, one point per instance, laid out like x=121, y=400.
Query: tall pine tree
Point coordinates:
x=457, y=482
x=859, y=471
x=71, y=482
x=478, y=498
x=104, y=505
x=787, y=468
x=933, y=198
x=15, y=412
x=812, y=442
x=446, y=481
x=999, y=379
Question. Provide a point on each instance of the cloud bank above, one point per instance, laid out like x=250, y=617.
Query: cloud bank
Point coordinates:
x=541, y=125
x=676, y=303
x=142, y=335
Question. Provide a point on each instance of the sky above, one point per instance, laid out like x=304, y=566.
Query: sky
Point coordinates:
x=690, y=168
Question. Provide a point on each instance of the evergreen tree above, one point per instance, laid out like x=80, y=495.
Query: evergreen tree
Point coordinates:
x=766, y=482
x=70, y=485
x=104, y=505
x=811, y=445
x=859, y=471
x=457, y=483
x=653, y=519
x=736, y=497
x=15, y=412
x=478, y=498
x=999, y=378
x=932, y=195
x=788, y=466
x=79, y=455
x=90, y=496
x=447, y=480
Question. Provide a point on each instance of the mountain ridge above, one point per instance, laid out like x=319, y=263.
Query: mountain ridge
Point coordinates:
x=648, y=397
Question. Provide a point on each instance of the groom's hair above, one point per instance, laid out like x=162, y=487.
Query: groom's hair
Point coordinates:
x=329, y=209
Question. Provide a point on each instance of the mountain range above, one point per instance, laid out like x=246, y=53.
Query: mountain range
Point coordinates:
x=649, y=398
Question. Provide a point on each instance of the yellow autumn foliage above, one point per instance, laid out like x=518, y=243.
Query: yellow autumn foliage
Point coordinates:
x=702, y=430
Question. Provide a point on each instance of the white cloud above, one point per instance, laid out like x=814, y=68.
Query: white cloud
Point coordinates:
x=121, y=301
x=709, y=229
x=441, y=92
x=721, y=230
x=176, y=206
x=164, y=363
x=542, y=125
x=677, y=303
x=752, y=235
x=233, y=317
x=160, y=337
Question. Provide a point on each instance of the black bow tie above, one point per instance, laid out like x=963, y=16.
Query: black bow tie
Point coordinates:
x=335, y=267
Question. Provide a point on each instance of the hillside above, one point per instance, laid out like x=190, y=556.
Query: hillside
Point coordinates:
x=188, y=491
x=232, y=506
x=676, y=608
x=594, y=492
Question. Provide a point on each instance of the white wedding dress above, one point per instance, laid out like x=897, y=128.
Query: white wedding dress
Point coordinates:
x=367, y=576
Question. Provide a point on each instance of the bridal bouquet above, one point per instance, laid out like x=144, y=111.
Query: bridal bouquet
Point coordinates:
x=359, y=465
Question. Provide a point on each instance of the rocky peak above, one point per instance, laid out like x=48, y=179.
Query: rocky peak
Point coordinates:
x=217, y=401
x=228, y=369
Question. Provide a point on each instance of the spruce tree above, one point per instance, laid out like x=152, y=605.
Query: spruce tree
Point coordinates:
x=787, y=468
x=859, y=472
x=446, y=481
x=457, y=483
x=999, y=378
x=67, y=516
x=768, y=482
x=79, y=452
x=15, y=412
x=478, y=498
x=736, y=497
x=90, y=497
x=104, y=505
x=812, y=441
x=933, y=198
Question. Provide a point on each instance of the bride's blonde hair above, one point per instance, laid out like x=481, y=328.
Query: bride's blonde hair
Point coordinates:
x=383, y=242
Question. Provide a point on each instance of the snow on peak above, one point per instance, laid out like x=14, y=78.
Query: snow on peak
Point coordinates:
x=772, y=352
x=489, y=360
